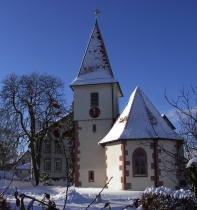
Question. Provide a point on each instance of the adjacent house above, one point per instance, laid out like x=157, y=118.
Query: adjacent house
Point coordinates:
x=56, y=148
x=23, y=165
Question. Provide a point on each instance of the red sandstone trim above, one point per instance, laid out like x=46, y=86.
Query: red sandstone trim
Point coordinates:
x=122, y=167
x=77, y=152
x=155, y=166
x=127, y=163
x=126, y=152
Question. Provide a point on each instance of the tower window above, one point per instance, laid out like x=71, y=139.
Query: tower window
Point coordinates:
x=91, y=176
x=94, y=128
x=94, y=99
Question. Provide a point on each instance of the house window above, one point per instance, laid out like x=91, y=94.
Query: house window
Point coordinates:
x=23, y=162
x=94, y=99
x=47, y=165
x=58, y=165
x=139, y=160
x=91, y=176
x=57, y=148
x=47, y=146
x=94, y=128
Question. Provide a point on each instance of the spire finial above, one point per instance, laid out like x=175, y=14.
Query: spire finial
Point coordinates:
x=96, y=13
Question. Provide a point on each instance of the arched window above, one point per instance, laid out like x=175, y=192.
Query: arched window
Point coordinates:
x=139, y=160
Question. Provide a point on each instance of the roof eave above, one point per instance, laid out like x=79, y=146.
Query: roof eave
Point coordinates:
x=137, y=139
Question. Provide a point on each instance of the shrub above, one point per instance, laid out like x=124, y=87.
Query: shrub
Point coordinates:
x=163, y=198
x=4, y=205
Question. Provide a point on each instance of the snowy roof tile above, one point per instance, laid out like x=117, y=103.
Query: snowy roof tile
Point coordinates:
x=95, y=67
x=139, y=120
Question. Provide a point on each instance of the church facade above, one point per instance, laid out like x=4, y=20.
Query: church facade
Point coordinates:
x=131, y=146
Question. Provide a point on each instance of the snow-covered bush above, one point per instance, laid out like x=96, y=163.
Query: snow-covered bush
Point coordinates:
x=191, y=173
x=165, y=198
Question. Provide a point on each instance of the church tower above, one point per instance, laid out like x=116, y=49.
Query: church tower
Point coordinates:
x=96, y=107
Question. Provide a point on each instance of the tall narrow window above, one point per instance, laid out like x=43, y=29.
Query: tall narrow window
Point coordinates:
x=91, y=176
x=57, y=147
x=47, y=165
x=94, y=99
x=47, y=146
x=94, y=128
x=58, y=165
x=139, y=160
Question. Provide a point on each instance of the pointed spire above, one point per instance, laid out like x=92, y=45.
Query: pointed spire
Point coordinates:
x=95, y=58
x=139, y=120
x=95, y=67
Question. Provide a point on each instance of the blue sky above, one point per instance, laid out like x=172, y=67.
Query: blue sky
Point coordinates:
x=150, y=43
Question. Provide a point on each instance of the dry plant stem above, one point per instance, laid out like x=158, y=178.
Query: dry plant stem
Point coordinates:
x=66, y=197
x=2, y=194
x=66, y=175
x=26, y=196
x=98, y=194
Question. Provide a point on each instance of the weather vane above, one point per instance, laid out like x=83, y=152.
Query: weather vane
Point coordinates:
x=96, y=13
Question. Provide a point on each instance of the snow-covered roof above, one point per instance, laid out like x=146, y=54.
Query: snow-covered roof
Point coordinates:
x=139, y=120
x=22, y=155
x=26, y=166
x=95, y=67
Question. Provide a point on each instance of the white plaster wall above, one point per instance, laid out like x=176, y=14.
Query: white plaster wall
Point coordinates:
x=23, y=173
x=113, y=152
x=139, y=183
x=82, y=101
x=92, y=155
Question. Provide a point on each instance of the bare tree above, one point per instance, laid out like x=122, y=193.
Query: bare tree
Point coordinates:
x=31, y=101
x=186, y=106
x=8, y=148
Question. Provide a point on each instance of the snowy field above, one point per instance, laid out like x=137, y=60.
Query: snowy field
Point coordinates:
x=78, y=198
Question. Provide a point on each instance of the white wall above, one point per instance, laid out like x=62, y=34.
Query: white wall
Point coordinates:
x=92, y=155
x=82, y=101
x=139, y=183
x=113, y=152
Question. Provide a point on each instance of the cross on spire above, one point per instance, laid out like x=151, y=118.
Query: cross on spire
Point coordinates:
x=97, y=12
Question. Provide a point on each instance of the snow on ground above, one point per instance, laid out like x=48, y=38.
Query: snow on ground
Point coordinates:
x=80, y=197
x=77, y=197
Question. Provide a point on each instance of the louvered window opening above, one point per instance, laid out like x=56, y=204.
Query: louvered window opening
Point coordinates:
x=94, y=99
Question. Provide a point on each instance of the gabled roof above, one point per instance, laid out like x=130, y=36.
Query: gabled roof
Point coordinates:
x=95, y=67
x=21, y=156
x=139, y=120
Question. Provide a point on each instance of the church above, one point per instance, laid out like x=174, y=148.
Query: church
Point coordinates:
x=135, y=147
